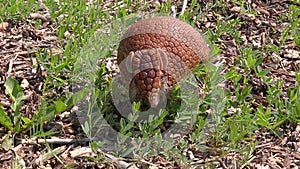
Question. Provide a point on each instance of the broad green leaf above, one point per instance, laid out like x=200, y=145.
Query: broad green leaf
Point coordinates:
x=15, y=91
x=60, y=106
x=7, y=142
x=27, y=122
x=278, y=123
x=12, y=88
x=264, y=72
x=5, y=120
x=77, y=97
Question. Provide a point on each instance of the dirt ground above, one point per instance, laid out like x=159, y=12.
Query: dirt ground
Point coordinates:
x=21, y=43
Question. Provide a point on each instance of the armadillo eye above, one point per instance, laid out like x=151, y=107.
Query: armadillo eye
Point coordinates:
x=162, y=76
x=134, y=81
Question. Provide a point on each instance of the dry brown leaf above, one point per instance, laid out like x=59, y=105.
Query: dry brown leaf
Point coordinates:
x=4, y=26
x=79, y=152
x=236, y=9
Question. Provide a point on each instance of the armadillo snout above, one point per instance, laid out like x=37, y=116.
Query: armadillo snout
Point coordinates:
x=149, y=84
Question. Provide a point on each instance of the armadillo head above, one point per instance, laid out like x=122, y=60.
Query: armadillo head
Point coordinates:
x=147, y=66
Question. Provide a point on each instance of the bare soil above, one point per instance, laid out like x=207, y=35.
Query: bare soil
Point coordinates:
x=21, y=43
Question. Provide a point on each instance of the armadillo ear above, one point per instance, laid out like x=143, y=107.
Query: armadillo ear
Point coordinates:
x=163, y=58
x=129, y=62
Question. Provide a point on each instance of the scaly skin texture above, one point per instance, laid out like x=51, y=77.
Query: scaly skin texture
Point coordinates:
x=159, y=52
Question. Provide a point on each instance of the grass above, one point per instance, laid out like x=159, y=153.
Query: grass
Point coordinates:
x=232, y=113
x=15, y=10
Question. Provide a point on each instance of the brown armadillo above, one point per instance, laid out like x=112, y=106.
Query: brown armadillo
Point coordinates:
x=159, y=52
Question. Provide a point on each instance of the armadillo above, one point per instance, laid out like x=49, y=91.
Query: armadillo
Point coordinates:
x=158, y=52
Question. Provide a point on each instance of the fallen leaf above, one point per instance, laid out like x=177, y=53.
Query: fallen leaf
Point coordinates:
x=3, y=26
x=235, y=9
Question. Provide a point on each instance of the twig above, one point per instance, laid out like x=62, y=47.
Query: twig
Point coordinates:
x=22, y=53
x=25, y=53
x=10, y=65
x=118, y=161
x=263, y=145
x=49, y=155
x=53, y=141
x=183, y=7
x=203, y=161
x=222, y=164
x=146, y=162
x=6, y=51
x=248, y=162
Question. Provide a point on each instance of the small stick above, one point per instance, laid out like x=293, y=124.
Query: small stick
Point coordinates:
x=117, y=161
x=248, y=162
x=49, y=155
x=183, y=7
x=10, y=65
x=53, y=141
